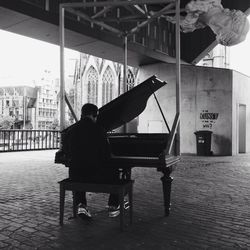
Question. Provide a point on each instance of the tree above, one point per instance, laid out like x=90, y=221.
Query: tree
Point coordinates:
x=55, y=125
x=6, y=122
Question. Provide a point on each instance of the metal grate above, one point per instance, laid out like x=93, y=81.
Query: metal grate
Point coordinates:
x=24, y=140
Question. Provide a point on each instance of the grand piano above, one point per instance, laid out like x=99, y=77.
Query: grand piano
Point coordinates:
x=130, y=150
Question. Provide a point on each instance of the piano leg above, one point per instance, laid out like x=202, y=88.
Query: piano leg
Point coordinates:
x=166, y=185
x=126, y=173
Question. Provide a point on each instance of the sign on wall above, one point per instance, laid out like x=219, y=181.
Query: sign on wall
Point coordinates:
x=208, y=119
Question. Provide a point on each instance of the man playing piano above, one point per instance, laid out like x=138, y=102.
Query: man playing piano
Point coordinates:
x=90, y=148
x=88, y=151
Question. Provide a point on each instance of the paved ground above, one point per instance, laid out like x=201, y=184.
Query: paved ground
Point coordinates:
x=210, y=207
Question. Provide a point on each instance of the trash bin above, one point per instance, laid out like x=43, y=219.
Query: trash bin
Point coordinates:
x=203, y=142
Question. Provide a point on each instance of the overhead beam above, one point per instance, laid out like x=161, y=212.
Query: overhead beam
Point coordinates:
x=133, y=18
x=102, y=12
x=139, y=9
x=134, y=10
x=145, y=8
x=91, y=20
x=173, y=11
x=151, y=19
x=116, y=3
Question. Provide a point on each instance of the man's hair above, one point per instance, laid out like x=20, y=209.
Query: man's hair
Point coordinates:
x=89, y=109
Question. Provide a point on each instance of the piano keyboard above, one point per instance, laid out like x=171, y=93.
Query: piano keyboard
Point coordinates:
x=145, y=161
x=134, y=157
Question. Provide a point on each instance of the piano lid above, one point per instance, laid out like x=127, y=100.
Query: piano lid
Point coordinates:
x=128, y=105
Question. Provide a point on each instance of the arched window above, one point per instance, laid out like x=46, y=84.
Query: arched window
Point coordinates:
x=130, y=80
x=92, y=85
x=107, y=85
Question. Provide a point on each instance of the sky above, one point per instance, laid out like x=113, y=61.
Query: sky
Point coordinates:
x=23, y=59
x=240, y=56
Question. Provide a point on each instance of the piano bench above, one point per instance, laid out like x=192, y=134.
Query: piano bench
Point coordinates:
x=121, y=188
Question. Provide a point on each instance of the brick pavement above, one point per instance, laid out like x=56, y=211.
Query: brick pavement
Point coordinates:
x=210, y=207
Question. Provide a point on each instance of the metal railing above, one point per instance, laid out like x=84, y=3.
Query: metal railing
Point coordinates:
x=23, y=140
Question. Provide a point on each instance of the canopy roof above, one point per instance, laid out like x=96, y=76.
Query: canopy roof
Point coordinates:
x=98, y=27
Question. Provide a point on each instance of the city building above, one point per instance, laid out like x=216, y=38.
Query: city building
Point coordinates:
x=212, y=99
x=98, y=81
x=18, y=102
x=95, y=80
x=219, y=57
x=32, y=107
x=47, y=112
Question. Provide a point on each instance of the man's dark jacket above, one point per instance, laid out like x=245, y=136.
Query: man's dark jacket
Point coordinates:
x=87, y=146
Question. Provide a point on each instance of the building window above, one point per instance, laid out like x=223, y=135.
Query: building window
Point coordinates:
x=92, y=85
x=130, y=80
x=107, y=85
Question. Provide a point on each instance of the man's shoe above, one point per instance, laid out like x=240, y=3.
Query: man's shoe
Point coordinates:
x=126, y=204
x=83, y=212
x=114, y=211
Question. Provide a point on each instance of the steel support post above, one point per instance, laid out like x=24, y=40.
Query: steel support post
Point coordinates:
x=178, y=72
x=62, y=81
